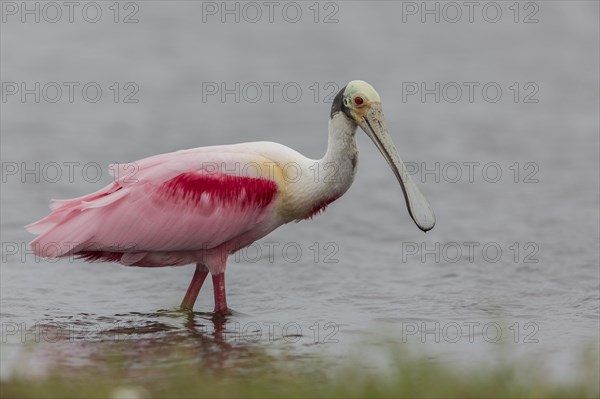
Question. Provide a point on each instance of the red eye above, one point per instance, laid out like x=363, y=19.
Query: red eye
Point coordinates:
x=358, y=100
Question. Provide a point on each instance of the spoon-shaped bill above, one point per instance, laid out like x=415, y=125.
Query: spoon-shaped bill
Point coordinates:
x=373, y=124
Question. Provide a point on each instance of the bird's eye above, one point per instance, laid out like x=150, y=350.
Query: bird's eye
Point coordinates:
x=358, y=100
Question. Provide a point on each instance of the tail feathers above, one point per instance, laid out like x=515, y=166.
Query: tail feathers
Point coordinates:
x=70, y=227
x=63, y=238
x=56, y=205
x=46, y=224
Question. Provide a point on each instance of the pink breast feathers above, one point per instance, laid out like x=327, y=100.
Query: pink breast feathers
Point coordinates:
x=320, y=207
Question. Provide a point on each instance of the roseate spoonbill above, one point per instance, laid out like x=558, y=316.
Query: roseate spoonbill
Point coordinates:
x=200, y=205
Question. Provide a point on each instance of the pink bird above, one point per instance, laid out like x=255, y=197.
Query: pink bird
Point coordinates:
x=203, y=204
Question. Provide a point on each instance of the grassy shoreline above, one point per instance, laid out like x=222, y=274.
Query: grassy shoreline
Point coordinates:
x=266, y=377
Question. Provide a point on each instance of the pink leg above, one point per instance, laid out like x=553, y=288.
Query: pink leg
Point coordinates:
x=220, y=298
x=194, y=289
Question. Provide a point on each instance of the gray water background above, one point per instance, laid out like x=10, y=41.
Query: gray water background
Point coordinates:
x=373, y=288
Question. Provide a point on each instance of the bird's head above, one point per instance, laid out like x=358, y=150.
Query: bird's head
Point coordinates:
x=356, y=100
x=361, y=104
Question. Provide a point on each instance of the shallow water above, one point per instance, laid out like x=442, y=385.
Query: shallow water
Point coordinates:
x=361, y=269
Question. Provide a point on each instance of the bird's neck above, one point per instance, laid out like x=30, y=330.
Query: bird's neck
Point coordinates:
x=338, y=165
x=326, y=179
x=341, y=142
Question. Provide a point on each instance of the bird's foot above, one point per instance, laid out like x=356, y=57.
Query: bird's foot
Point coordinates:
x=186, y=308
x=222, y=312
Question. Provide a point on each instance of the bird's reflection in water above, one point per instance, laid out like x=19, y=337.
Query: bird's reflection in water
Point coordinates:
x=150, y=340
x=214, y=342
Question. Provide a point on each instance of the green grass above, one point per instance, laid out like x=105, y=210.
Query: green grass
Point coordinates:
x=264, y=376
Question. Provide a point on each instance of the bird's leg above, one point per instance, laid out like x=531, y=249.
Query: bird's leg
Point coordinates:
x=194, y=289
x=220, y=298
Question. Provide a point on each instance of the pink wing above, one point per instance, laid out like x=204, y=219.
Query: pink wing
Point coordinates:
x=179, y=202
